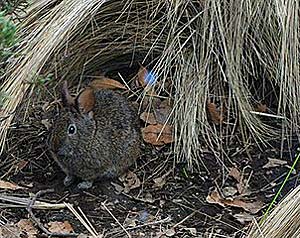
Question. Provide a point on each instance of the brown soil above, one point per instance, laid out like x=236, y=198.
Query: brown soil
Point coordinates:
x=148, y=211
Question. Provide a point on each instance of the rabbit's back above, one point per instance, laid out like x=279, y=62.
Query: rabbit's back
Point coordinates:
x=117, y=121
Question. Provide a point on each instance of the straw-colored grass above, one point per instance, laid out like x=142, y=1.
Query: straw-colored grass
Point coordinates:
x=283, y=221
x=232, y=53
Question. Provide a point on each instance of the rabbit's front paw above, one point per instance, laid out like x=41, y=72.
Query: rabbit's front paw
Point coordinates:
x=69, y=179
x=85, y=185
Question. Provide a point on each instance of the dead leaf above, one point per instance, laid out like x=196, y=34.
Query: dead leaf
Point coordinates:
x=260, y=107
x=106, y=83
x=26, y=225
x=163, y=112
x=141, y=76
x=146, y=77
x=158, y=134
x=21, y=164
x=244, y=218
x=119, y=189
x=274, y=163
x=160, y=181
x=235, y=173
x=170, y=232
x=9, y=185
x=130, y=181
x=11, y=231
x=252, y=207
x=130, y=222
x=23, y=228
x=214, y=198
x=148, y=100
x=214, y=113
x=60, y=227
x=242, y=186
x=148, y=117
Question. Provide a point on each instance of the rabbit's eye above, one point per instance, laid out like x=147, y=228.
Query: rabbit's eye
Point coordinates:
x=72, y=129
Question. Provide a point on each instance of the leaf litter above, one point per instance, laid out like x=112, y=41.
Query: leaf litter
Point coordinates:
x=272, y=163
x=106, y=83
x=146, y=77
x=10, y=185
x=158, y=134
x=158, y=131
x=164, y=112
x=60, y=227
x=161, y=181
x=250, y=206
x=214, y=113
x=148, y=117
x=130, y=181
x=23, y=228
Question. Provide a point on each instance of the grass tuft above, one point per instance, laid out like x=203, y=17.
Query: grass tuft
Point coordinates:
x=234, y=54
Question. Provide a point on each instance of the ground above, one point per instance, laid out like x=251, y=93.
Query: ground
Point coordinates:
x=155, y=200
x=158, y=197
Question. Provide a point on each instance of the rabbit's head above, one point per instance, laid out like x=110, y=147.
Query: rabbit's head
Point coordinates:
x=75, y=126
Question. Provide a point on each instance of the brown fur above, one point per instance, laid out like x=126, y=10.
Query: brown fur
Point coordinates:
x=107, y=138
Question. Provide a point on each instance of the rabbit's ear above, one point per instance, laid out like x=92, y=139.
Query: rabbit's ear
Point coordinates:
x=85, y=101
x=66, y=97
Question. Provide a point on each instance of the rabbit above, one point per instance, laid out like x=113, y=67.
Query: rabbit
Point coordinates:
x=97, y=135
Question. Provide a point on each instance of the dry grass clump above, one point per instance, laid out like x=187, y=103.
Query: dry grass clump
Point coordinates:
x=283, y=221
x=234, y=55
x=244, y=55
x=14, y=8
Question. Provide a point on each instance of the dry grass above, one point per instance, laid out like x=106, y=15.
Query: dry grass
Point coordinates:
x=233, y=53
x=283, y=221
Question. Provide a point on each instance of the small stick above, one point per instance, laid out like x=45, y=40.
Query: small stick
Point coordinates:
x=165, y=220
x=34, y=219
x=88, y=222
x=112, y=215
x=81, y=219
x=184, y=219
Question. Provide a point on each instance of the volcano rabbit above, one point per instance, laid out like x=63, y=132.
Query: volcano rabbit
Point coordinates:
x=95, y=136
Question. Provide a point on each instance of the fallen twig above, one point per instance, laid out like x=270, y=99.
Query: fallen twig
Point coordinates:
x=83, y=219
x=40, y=225
x=23, y=202
x=112, y=215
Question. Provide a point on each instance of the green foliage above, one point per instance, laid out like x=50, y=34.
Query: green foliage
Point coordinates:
x=7, y=39
x=13, y=7
x=3, y=98
x=6, y=7
x=40, y=80
x=271, y=205
x=7, y=32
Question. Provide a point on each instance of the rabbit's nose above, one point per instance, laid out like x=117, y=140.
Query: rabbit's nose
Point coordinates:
x=64, y=151
x=61, y=151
